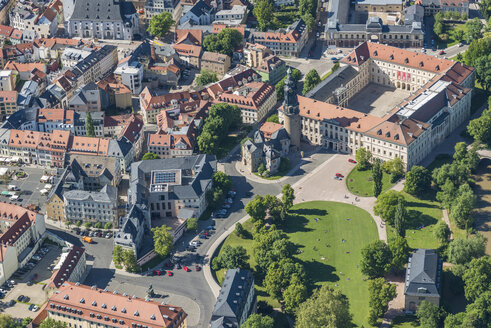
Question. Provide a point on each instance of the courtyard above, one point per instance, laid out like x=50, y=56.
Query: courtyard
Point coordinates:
x=376, y=99
x=328, y=238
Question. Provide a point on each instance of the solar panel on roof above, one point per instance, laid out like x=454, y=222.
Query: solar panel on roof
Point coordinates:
x=165, y=177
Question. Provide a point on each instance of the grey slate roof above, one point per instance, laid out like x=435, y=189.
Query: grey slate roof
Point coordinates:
x=423, y=275
x=232, y=298
x=192, y=186
x=102, y=10
x=200, y=8
x=107, y=194
x=134, y=220
x=338, y=78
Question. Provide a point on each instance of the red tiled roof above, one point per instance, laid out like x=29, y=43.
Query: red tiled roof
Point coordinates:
x=104, y=307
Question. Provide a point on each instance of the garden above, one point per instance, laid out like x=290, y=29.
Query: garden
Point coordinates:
x=327, y=238
x=360, y=182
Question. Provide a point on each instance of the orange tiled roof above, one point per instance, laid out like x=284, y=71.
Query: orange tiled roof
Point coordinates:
x=104, y=307
x=9, y=96
x=55, y=115
x=24, y=67
x=270, y=127
x=188, y=50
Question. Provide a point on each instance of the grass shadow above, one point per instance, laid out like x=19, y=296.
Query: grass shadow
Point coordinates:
x=417, y=219
x=309, y=211
x=405, y=320
x=295, y=223
x=323, y=272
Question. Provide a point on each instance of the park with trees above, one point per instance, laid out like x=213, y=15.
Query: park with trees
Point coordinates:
x=305, y=258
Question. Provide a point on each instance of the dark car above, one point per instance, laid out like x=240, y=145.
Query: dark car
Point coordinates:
x=178, y=266
x=157, y=272
x=191, y=249
x=11, y=303
x=20, y=298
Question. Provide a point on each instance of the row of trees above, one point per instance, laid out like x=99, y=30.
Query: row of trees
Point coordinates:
x=480, y=128
x=221, y=118
x=452, y=181
x=125, y=257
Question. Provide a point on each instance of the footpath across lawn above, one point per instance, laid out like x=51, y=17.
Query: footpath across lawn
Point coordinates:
x=360, y=183
x=328, y=237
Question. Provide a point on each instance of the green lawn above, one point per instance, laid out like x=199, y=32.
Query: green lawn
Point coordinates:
x=450, y=30
x=360, y=182
x=405, y=321
x=423, y=216
x=327, y=259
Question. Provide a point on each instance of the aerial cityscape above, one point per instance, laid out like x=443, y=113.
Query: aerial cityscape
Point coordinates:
x=245, y=163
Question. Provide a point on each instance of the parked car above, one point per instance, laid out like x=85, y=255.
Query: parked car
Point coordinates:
x=36, y=258
x=169, y=273
x=339, y=175
x=108, y=235
x=442, y=52
x=11, y=303
x=210, y=227
x=35, y=308
x=20, y=298
x=157, y=272
x=29, y=283
x=229, y=201
x=178, y=266
x=232, y=193
x=198, y=268
x=31, y=307
x=226, y=206
x=12, y=282
x=202, y=236
x=352, y=161
x=186, y=269
x=337, y=178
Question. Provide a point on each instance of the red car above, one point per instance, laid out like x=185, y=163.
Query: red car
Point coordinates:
x=186, y=269
x=169, y=273
x=442, y=52
x=339, y=175
x=352, y=161
x=157, y=272
x=198, y=268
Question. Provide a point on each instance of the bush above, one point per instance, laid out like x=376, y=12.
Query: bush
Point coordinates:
x=108, y=226
x=78, y=223
x=88, y=225
x=98, y=225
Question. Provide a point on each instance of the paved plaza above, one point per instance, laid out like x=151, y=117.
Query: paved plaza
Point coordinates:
x=376, y=99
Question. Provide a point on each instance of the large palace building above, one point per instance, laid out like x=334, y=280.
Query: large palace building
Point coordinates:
x=435, y=97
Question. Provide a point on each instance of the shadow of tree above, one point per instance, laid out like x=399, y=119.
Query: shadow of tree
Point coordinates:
x=295, y=223
x=309, y=211
x=416, y=219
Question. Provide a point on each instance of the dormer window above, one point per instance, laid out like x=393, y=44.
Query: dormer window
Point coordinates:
x=375, y=53
x=392, y=57
x=406, y=60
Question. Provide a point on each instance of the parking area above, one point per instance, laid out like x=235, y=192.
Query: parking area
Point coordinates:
x=29, y=187
x=30, y=283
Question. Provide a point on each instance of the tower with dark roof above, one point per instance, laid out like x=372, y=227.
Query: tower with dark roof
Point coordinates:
x=292, y=120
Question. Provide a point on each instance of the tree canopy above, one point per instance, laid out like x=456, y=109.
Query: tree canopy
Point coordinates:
x=160, y=24
x=429, y=315
x=163, y=240
x=89, y=125
x=52, y=323
x=477, y=278
x=287, y=196
x=386, y=205
x=462, y=251
x=206, y=77
x=311, y=80
x=376, y=259
x=377, y=178
x=149, y=156
x=264, y=12
x=325, y=308
x=399, y=250
x=231, y=258
x=380, y=294
x=224, y=42
x=363, y=158
x=221, y=118
x=256, y=208
x=418, y=180
x=258, y=321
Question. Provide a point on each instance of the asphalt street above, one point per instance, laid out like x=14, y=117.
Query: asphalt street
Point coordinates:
x=188, y=288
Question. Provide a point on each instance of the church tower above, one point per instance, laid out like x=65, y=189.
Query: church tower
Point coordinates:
x=291, y=111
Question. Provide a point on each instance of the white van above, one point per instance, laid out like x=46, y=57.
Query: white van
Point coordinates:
x=13, y=188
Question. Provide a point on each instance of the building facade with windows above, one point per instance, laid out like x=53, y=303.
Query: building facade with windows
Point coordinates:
x=91, y=206
x=80, y=306
x=21, y=235
x=440, y=100
x=105, y=19
x=289, y=42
